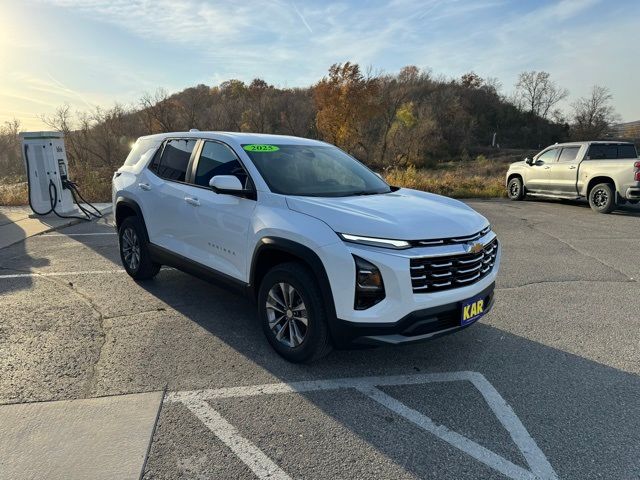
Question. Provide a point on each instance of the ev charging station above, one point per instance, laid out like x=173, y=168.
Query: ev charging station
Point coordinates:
x=50, y=190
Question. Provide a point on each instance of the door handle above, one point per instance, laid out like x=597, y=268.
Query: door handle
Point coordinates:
x=572, y=167
x=145, y=186
x=192, y=201
x=547, y=167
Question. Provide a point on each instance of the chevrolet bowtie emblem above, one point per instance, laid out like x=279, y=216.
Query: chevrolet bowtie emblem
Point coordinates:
x=474, y=247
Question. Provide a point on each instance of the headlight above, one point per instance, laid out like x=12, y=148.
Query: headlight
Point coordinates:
x=369, y=284
x=375, y=242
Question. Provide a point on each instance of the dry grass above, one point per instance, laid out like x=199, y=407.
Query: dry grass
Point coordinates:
x=13, y=191
x=94, y=186
x=480, y=178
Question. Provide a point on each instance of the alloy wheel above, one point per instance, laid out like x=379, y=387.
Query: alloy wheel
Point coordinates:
x=514, y=189
x=287, y=314
x=131, y=249
x=600, y=198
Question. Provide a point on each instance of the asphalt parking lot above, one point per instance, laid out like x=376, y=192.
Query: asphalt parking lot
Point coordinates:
x=545, y=386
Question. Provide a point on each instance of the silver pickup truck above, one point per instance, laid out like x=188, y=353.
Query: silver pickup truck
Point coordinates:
x=605, y=173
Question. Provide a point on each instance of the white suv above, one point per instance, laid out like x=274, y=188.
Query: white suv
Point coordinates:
x=331, y=254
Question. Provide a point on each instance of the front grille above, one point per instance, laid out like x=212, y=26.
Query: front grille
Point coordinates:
x=451, y=241
x=432, y=274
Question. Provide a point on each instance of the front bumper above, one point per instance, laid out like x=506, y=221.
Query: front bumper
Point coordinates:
x=417, y=326
x=400, y=299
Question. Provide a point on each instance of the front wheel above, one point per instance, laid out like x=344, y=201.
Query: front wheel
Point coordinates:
x=292, y=313
x=602, y=198
x=515, y=189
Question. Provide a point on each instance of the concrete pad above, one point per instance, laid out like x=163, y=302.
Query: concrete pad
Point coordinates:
x=18, y=223
x=96, y=438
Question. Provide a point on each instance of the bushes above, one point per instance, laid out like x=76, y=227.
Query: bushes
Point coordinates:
x=470, y=179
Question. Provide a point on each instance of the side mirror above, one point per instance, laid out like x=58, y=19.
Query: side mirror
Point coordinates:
x=227, y=184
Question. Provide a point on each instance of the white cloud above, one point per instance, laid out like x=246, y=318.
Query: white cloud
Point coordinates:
x=293, y=44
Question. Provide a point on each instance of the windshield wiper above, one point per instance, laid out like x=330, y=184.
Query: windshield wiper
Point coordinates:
x=367, y=192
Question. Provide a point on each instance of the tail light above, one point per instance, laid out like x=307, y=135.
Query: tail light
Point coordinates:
x=637, y=165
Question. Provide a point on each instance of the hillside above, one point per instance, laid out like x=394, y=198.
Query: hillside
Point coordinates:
x=390, y=122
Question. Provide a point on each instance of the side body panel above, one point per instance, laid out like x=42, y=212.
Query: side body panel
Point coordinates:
x=620, y=171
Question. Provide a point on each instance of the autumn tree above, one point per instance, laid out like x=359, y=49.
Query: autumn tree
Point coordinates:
x=593, y=114
x=193, y=103
x=471, y=80
x=395, y=108
x=160, y=111
x=345, y=103
x=10, y=154
x=258, y=114
x=538, y=94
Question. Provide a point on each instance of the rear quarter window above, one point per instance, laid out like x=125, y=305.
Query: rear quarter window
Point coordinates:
x=612, y=151
x=627, y=151
x=140, y=148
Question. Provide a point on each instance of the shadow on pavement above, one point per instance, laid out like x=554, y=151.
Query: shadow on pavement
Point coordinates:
x=11, y=232
x=574, y=408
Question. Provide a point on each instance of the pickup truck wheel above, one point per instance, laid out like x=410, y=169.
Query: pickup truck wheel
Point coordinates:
x=602, y=198
x=515, y=189
x=292, y=313
x=134, y=251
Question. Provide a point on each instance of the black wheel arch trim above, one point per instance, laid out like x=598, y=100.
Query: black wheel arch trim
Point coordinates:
x=128, y=202
x=308, y=256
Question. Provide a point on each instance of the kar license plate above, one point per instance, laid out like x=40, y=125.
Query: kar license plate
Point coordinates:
x=472, y=310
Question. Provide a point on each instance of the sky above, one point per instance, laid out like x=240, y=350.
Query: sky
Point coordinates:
x=89, y=53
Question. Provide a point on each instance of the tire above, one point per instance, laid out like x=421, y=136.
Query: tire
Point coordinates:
x=282, y=312
x=515, y=189
x=132, y=240
x=602, y=198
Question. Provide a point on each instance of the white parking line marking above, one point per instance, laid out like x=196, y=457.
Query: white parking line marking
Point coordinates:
x=60, y=274
x=64, y=274
x=536, y=460
x=251, y=456
x=75, y=234
x=453, y=438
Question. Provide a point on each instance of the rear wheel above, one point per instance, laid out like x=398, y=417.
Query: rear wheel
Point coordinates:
x=602, y=198
x=292, y=313
x=515, y=189
x=134, y=250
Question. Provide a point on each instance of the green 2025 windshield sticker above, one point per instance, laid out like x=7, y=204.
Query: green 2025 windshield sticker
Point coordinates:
x=261, y=148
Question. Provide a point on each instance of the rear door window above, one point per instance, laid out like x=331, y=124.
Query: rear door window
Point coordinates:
x=175, y=159
x=569, y=154
x=218, y=159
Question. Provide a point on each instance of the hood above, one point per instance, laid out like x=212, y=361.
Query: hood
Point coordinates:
x=402, y=215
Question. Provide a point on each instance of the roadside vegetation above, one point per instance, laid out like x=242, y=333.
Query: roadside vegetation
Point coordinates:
x=449, y=136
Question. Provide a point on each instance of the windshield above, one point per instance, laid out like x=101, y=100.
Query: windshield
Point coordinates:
x=310, y=170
